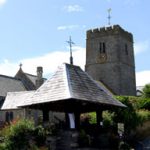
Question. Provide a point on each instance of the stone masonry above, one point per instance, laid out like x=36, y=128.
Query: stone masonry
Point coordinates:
x=110, y=59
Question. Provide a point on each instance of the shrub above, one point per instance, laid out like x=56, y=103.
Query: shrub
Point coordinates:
x=17, y=135
x=144, y=115
x=108, y=118
x=2, y=146
x=92, y=118
x=128, y=115
x=146, y=91
x=39, y=135
x=144, y=103
x=22, y=135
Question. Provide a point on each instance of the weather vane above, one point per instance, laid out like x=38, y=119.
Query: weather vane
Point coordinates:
x=70, y=42
x=109, y=16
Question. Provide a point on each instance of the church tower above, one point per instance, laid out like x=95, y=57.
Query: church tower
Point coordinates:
x=110, y=59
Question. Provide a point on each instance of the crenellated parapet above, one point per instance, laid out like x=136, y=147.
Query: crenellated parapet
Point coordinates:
x=107, y=31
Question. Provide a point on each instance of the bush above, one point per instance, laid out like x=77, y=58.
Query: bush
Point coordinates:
x=16, y=135
x=92, y=118
x=39, y=135
x=129, y=115
x=22, y=135
x=2, y=146
x=144, y=115
x=146, y=91
x=108, y=118
x=144, y=103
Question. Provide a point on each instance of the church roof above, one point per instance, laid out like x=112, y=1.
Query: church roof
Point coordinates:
x=27, y=79
x=2, y=98
x=70, y=83
x=105, y=88
x=13, y=99
x=33, y=78
x=10, y=84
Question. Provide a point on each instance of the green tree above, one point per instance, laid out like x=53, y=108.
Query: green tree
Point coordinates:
x=144, y=103
x=146, y=91
x=128, y=115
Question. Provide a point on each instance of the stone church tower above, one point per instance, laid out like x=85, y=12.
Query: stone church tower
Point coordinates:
x=110, y=59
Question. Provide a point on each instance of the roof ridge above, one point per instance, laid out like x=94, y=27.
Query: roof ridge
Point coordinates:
x=68, y=83
x=34, y=75
x=30, y=74
x=9, y=77
x=20, y=92
x=103, y=89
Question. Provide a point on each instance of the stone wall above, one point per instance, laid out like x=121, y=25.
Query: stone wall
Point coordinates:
x=117, y=70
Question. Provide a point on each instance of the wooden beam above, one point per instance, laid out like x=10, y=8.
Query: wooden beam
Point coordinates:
x=45, y=115
x=77, y=120
x=99, y=117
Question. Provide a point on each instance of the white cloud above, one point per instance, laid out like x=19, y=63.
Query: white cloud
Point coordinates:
x=71, y=27
x=49, y=62
x=2, y=2
x=67, y=27
x=8, y=68
x=142, y=78
x=52, y=60
x=131, y=3
x=73, y=8
x=140, y=47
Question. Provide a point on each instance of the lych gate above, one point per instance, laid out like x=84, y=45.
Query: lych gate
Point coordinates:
x=72, y=91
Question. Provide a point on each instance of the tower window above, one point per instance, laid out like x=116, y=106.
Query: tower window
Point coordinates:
x=126, y=49
x=102, y=47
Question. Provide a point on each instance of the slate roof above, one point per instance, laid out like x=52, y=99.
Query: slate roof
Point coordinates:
x=33, y=78
x=13, y=99
x=72, y=84
x=105, y=88
x=2, y=98
x=27, y=80
x=10, y=84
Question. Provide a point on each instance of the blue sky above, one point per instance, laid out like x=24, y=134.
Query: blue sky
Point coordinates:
x=34, y=32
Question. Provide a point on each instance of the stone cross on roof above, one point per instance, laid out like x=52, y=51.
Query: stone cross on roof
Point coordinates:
x=20, y=65
x=70, y=42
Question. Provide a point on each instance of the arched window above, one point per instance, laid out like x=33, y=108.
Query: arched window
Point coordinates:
x=104, y=50
x=102, y=47
x=126, y=49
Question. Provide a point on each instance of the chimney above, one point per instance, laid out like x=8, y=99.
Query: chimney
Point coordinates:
x=39, y=80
